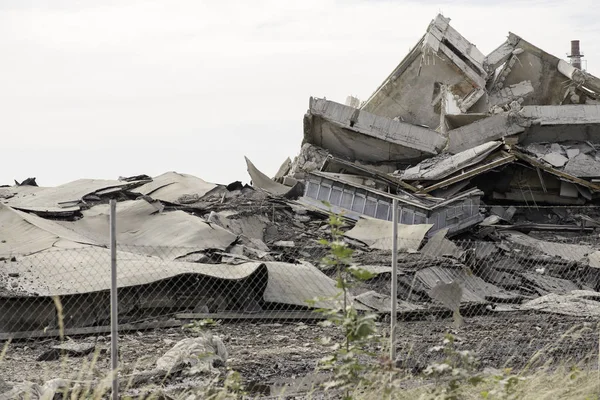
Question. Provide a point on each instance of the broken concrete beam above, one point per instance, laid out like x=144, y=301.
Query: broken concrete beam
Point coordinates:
x=501, y=54
x=539, y=67
x=359, y=135
x=560, y=123
x=578, y=76
x=283, y=170
x=434, y=169
x=485, y=130
x=530, y=196
x=442, y=55
x=510, y=93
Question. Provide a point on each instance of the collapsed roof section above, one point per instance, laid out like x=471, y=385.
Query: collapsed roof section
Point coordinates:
x=518, y=62
x=354, y=134
x=413, y=91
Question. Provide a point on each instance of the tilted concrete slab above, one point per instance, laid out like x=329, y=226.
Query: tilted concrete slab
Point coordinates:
x=483, y=131
x=554, y=124
x=442, y=56
x=536, y=124
x=360, y=135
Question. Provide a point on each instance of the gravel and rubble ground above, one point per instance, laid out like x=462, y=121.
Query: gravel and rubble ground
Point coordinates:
x=277, y=354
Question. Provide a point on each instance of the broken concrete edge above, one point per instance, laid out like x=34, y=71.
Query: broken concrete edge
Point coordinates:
x=263, y=182
x=400, y=134
x=449, y=47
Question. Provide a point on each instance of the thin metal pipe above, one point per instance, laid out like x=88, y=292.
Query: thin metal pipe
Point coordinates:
x=114, y=301
x=394, y=291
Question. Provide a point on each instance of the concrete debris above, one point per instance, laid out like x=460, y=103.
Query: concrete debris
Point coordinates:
x=439, y=246
x=347, y=132
x=196, y=355
x=442, y=57
x=580, y=303
x=450, y=295
x=68, y=349
x=377, y=234
x=455, y=137
x=263, y=182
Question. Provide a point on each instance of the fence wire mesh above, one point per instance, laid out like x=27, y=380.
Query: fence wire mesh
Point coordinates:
x=525, y=301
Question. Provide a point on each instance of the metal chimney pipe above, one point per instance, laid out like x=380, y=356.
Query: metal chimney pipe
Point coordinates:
x=575, y=55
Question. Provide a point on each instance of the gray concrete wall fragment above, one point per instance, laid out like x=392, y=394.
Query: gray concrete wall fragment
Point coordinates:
x=442, y=57
x=359, y=135
x=482, y=131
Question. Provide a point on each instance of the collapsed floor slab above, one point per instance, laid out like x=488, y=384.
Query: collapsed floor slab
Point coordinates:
x=360, y=135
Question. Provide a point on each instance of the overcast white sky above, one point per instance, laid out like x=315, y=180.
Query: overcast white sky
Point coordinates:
x=108, y=88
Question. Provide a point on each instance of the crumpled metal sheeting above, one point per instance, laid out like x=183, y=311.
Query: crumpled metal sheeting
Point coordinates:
x=168, y=235
x=475, y=289
x=578, y=303
x=297, y=284
x=78, y=271
x=23, y=233
x=566, y=251
x=176, y=188
x=64, y=198
x=377, y=234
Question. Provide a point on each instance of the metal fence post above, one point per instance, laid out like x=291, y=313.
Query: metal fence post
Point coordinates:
x=394, y=291
x=114, y=314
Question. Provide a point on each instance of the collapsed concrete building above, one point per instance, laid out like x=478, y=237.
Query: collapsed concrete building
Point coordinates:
x=446, y=120
x=458, y=138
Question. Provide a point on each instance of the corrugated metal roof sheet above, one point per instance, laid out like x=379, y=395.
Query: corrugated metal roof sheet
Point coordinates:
x=171, y=186
x=77, y=271
x=22, y=233
x=63, y=198
x=475, y=289
x=141, y=224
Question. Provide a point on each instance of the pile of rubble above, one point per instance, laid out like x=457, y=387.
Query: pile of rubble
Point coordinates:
x=450, y=127
x=449, y=131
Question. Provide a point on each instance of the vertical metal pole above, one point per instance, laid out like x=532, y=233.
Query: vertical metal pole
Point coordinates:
x=114, y=312
x=394, y=293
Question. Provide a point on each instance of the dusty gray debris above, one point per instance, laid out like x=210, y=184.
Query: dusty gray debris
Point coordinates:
x=580, y=303
x=382, y=303
x=311, y=158
x=439, y=246
x=284, y=243
x=197, y=354
x=70, y=349
x=555, y=159
x=583, y=166
x=378, y=234
x=33, y=391
x=450, y=295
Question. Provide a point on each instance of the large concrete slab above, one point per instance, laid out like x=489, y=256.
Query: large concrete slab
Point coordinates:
x=412, y=91
x=553, y=124
x=354, y=134
x=483, y=131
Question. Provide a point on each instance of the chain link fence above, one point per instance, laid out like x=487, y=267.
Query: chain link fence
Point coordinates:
x=516, y=300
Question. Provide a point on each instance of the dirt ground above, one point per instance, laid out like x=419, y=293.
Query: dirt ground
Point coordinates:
x=275, y=353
